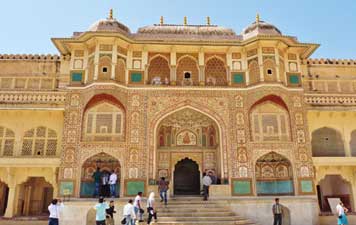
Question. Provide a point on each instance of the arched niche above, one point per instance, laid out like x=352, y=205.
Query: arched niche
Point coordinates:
x=327, y=142
x=334, y=186
x=106, y=164
x=215, y=72
x=104, y=119
x=34, y=197
x=274, y=175
x=158, y=70
x=270, y=120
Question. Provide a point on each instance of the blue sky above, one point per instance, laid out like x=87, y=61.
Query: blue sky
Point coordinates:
x=27, y=25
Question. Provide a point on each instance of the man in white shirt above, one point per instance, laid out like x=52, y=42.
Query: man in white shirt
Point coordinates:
x=206, y=184
x=112, y=183
x=129, y=213
x=137, y=206
x=54, y=210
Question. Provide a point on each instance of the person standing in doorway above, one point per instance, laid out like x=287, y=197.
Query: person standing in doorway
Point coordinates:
x=105, y=187
x=54, y=210
x=112, y=183
x=129, y=213
x=163, y=188
x=277, y=211
x=206, y=184
x=151, y=208
x=341, y=213
x=97, y=178
x=100, y=209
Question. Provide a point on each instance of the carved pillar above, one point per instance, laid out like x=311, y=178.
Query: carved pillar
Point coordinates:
x=245, y=66
x=260, y=63
x=85, y=66
x=276, y=58
x=10, y=209
x=202, y=75
x=113, y=62
x=96, y=61
x=173, y=75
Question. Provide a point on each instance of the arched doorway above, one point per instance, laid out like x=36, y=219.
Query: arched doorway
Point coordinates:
x=187, y=133
x=106, y=163
x=186, y=178
x=334, y=186
x=34, y=197
x=274, y=175
x=4, y=193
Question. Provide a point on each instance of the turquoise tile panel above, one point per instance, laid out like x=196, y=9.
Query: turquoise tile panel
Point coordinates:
x=274, y=187
x=238, y=78
x=136, y=77
x=294, y=79
x=77, y=77
x=241, y=187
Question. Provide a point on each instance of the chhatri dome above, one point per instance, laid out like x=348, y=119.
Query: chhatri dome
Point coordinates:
x=260, y=27
x=109, y=25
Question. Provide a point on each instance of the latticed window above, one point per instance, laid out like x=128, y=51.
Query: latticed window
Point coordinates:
x=270, y=123
x=39, y=141
x=7, y=141
x=103, y=122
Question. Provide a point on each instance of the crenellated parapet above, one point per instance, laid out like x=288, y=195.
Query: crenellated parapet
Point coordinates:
x=322, y=61
x=42, y=57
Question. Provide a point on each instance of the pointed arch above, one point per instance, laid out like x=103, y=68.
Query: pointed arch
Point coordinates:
x=215, y=71
x=327, y=141
x=270, y=120
x=104, y=119
x=187, y=64
x=269, y=70
x=158, y=68
x=274, y=175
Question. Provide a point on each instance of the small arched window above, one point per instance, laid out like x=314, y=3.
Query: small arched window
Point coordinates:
x=7, y=140
x=40, y=141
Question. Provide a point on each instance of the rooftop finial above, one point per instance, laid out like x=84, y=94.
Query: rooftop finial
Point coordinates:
x=111, y=17
x=208, y=21
x=161, y=21
x=185, y=21
x=258, y=18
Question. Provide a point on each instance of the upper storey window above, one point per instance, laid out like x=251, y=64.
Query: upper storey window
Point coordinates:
x=7, y=140
x=39, y=141
x=103, y=122
x=270, y=122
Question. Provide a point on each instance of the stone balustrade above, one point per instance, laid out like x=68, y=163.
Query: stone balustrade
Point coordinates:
x=30, y=98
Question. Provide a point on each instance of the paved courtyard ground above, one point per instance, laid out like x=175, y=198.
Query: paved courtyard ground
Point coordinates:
x=19, y=222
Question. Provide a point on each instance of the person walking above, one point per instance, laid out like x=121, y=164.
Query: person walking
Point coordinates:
x=137, y=207
x=341, y=212
x=112, y=183
x=277, y=211
x=96, y=177
x=151, y=210
x=129, y=213
x=54, y=209
x=206, y=184
x=110, y=214
x=100, y=209
x=163, y=188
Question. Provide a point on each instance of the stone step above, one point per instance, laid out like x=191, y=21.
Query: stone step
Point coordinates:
x=196, y=214
x=222, y=222
x=210, y=218
x=191, y=206
x=192, y=210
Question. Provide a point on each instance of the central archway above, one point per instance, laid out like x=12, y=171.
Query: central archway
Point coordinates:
x=186, y=178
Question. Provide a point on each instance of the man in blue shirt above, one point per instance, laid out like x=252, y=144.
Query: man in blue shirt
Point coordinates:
x=100, y=209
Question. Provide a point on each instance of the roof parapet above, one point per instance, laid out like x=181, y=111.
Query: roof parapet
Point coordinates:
x=322, y=61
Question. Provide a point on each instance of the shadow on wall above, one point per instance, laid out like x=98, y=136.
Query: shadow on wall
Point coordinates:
x=286, y=220
x=91, y=217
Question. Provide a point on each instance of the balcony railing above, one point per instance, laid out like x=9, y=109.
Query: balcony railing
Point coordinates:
x=330, y=86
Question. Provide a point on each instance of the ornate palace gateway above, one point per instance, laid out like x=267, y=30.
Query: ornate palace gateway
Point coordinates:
x=175, y=101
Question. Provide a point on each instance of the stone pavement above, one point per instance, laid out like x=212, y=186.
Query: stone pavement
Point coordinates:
x=23, y=222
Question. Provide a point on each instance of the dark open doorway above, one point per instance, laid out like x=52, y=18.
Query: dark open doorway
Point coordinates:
x=186, y=178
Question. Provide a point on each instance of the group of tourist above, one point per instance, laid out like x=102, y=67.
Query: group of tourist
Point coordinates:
x=105, y=183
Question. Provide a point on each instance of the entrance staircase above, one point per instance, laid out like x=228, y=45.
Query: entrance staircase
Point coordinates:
x=191, y=211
